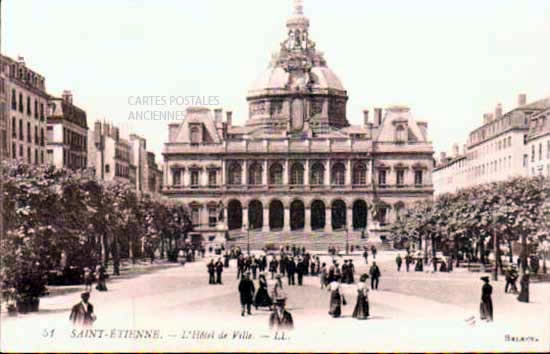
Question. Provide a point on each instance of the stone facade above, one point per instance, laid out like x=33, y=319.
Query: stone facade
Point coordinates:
x=67, y=133
x=27, y=102
x=297, y=165
x=497, y=150
x=538, y=147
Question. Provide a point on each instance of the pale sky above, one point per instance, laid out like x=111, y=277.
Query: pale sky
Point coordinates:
x=450, y=61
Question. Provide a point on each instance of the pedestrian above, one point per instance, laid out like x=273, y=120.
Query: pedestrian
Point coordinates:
x=375, y=275
x=345, y=273
x=351, y=272
x=226, y=258
x=301, y=270
x=88, y=279
x=486, y=306
x=324, y=276
x=291, y=270
x=101, y=278
x=254, y=266
x=408, y=261
x=262, y=298
x=373, y=250
x=282, y=264
x=273, y=267
x=278, y=291
x=337, y=299
x=219, y=271
x=211, y=268
x=82, y=314
x=361, y=311
x=246, y=291
x=366, y=255
x=524, y=284
x=511, y=277
x=281, y=319
x=398, y=261
x=313, y=267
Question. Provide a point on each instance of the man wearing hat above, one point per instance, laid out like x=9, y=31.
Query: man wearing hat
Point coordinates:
x=511, y=277
x=301, y=268
x=486, y=306
x=280, y=318
x=82, y=314
x=290, y=270
x=246, y=290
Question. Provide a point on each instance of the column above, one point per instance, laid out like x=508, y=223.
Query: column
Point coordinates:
x=327, y=173
x=265, y=172
x=306, y=173
x=223, y=176
x=286, y=220
x=245, y=172
x=349, y=218
x=286, y=172
x=307, y=221
x=185, y=177
x=348, y=173
x=170, y=177
x=203, y=214
x=246, y=223
x=265, y=226
x=328, y=223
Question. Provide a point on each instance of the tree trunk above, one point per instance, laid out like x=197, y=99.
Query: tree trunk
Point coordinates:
x=499, y=258
x=434, y=260
x=116, y=256
x=523, y=252
x=481, y=251
x=162, y=247
x=104, y=250
x=457, y=247
x=510, y=255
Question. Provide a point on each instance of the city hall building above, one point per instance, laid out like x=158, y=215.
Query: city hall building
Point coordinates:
x=297, y=171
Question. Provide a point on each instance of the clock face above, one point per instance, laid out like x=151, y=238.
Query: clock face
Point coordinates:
x=297, y=115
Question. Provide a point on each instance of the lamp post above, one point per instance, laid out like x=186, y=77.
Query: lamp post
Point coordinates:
x=347, y=241
x=248, y=239
x=495, y=247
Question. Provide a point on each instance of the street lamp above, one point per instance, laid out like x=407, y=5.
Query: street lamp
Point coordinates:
x=347, y=241
x=495, y=248
x=247, y=239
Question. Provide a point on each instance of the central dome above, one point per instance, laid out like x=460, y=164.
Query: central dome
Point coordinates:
x=298, y=92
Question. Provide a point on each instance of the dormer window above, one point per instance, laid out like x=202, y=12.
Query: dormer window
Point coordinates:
x=195, y=135
x=400, y=134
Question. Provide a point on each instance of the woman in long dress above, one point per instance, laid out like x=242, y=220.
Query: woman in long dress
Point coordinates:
x=361, y=311
x=102, y=276
x=336, y=298
x=262, y=298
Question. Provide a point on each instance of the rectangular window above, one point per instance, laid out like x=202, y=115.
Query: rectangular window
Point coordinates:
x=400, y=177
x=532, y=153
x=525, y=160
x=36, y=137
x=29, y=136
x=29, y=113
x=36, y=156
x=13, y=128
x=13, y=100
x=35, y=109
x=212, y=217
x=212, y=180
x=177, y=176
x=13, y=151
x=418, y=178
x=548, y=150
x=383, y=216
x=42, y=111
x=382, y=177
x=21, y=151
x=194, y=178
x=29, y=157
x=195, y=216
x=540, y=151
x=21, y=102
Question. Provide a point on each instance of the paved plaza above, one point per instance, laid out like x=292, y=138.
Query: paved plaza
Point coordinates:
x=427, y=310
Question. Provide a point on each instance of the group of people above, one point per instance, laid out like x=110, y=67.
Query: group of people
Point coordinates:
x=337, y=298
x=90, y=277
x=215, y=270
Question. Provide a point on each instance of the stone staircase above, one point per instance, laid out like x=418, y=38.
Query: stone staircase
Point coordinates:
x=315, y=241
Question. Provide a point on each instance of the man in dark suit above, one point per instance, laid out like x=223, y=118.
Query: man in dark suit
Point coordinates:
x=219, y=270
x=273, y=266
x=375, y=275
x=291, y=269
x=211, y=270
x=281, y=319
x=82, y=314
x=301, y=270
x=246, y=290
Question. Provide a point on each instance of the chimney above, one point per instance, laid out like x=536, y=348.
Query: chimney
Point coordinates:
x=21, y=60
x=522, y=99
x=456, y=151
x=378, y=116
x=67, y=97
x=218, y=115
x=97, y=133
x=229, y=118
x=498, y=111
x=366, y=117
x=442, y=157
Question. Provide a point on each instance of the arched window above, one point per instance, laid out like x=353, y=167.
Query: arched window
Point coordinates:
x=235, y=173
x=276, y=174
x=195, y=135
x=339, y=174
x=317, y=174
x=297, y=174
x=400, y=135
x=255, y=174
x=360, y=174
